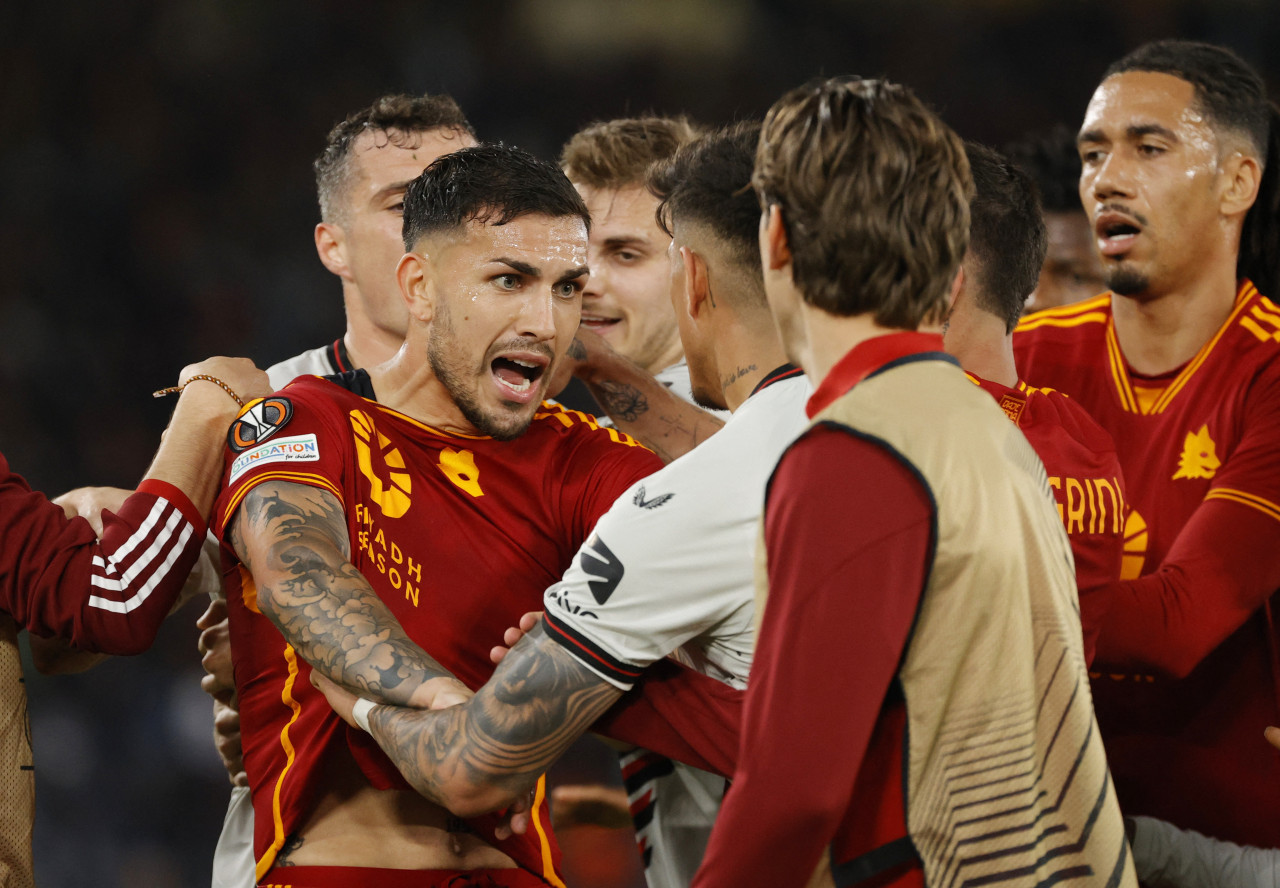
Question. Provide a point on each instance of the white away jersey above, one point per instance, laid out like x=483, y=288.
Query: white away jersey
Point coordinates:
x=671, y=564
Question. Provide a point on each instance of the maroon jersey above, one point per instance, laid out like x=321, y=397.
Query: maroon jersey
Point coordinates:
x=1085, y=475
x=109, y=595
x=458, y=535
x=1185, y=676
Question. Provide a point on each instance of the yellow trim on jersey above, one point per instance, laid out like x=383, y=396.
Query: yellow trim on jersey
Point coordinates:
x=1265, y=506
x=1090, y=310
x=1247, y=290
x=544, y=844
x=567, y=416
x=286, y=696
x=295, y=477
x=1119, y=374
x=974, y=379
x=1033, y=389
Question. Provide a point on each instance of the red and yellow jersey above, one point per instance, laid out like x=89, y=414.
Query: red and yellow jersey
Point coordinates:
x=458, y=535
x=1084, y=472
x=1185, y=678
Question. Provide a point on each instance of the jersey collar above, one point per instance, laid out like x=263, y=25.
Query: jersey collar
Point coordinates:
x=786, y=371
x=872, y=356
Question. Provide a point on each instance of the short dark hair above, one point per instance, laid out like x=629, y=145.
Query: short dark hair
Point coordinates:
x=618, y=153
x=708, y=182
x=400, y=118
x=1234, y=99
x=1052, y=160
x=1007, y=237
x=492, y=184
x=874, y=191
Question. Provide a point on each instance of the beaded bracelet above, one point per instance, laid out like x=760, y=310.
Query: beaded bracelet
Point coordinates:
x=177, y=389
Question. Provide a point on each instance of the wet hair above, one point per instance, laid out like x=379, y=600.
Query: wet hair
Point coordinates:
x=1234, y=99
x=618, y=153
x=1052, y=160
x=400, y=119
x=873, y=189
x=708, y=182
x=1007, y=237
x=491, y=184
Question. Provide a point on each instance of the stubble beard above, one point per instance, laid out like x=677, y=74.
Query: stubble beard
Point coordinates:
x=451, y=369
x=1126, y=281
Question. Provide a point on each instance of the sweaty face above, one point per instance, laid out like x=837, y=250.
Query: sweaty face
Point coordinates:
x=506, y=305
x=381, y=167
x=1072, y=271
x=626, y=299
x=1150, y=180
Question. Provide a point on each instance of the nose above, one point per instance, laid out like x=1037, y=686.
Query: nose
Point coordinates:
x=1110, y=177
x=537, y=318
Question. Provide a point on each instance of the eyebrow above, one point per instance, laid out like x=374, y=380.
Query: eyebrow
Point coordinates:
x=392, y=188
x=574, y=274
x=1135, y=131
x=626, y=241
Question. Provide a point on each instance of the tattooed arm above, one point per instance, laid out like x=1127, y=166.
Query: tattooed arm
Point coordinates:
x=636, y=402
x=483, y=754
x=293, y=540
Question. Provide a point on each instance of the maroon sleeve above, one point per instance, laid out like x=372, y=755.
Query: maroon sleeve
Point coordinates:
x=1223, y=566
x=110, y=595
x=680, y=714
x=848, y=530
x=1221, y=569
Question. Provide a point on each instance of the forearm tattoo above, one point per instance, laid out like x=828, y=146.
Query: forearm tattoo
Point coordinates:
x=293, y=540
x=537, y=703
x=623, y=402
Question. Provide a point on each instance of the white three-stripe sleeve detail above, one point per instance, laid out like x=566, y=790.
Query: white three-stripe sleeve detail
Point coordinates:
x=175, y=551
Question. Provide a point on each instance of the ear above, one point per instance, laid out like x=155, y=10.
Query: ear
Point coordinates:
x=331, y=245
x=417, y=287
x=1242, y=176
x=956, y=286
x=775, y=249
x=697, y=290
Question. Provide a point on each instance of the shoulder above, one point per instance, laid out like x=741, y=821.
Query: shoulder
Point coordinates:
x=1078, y=322
x=316, y=362
x=562, y=426
x=1053, y=413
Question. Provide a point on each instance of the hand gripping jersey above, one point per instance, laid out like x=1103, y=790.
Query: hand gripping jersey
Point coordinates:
x=1186, y=676
x=669, y=570
x=1085, y=475
x=458, y=535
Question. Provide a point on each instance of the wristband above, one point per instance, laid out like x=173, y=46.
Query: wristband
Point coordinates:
x=360, y=712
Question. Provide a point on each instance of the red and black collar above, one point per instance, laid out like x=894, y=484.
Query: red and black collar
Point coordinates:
x=786, y=371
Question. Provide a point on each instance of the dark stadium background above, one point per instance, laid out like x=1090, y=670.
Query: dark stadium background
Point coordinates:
x=156, y=206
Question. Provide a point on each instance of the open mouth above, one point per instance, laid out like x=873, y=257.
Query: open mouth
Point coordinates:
x=1116, y=235
x=518, y=377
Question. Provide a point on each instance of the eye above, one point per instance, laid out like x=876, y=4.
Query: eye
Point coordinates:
x=508, y=281
x=1090, y=155
x=568, y=289
x=627, y=256
x=1150, y=150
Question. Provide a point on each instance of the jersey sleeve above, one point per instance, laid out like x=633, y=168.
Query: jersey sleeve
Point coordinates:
x=1222, y=566
x=681, y=714
x=844, y=586
x=595, y=469
x=105, y=595
x=290, y=436
x=663, y=565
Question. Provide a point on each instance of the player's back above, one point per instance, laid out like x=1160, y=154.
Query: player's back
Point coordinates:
x=458, y=535
x=1084, y=473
